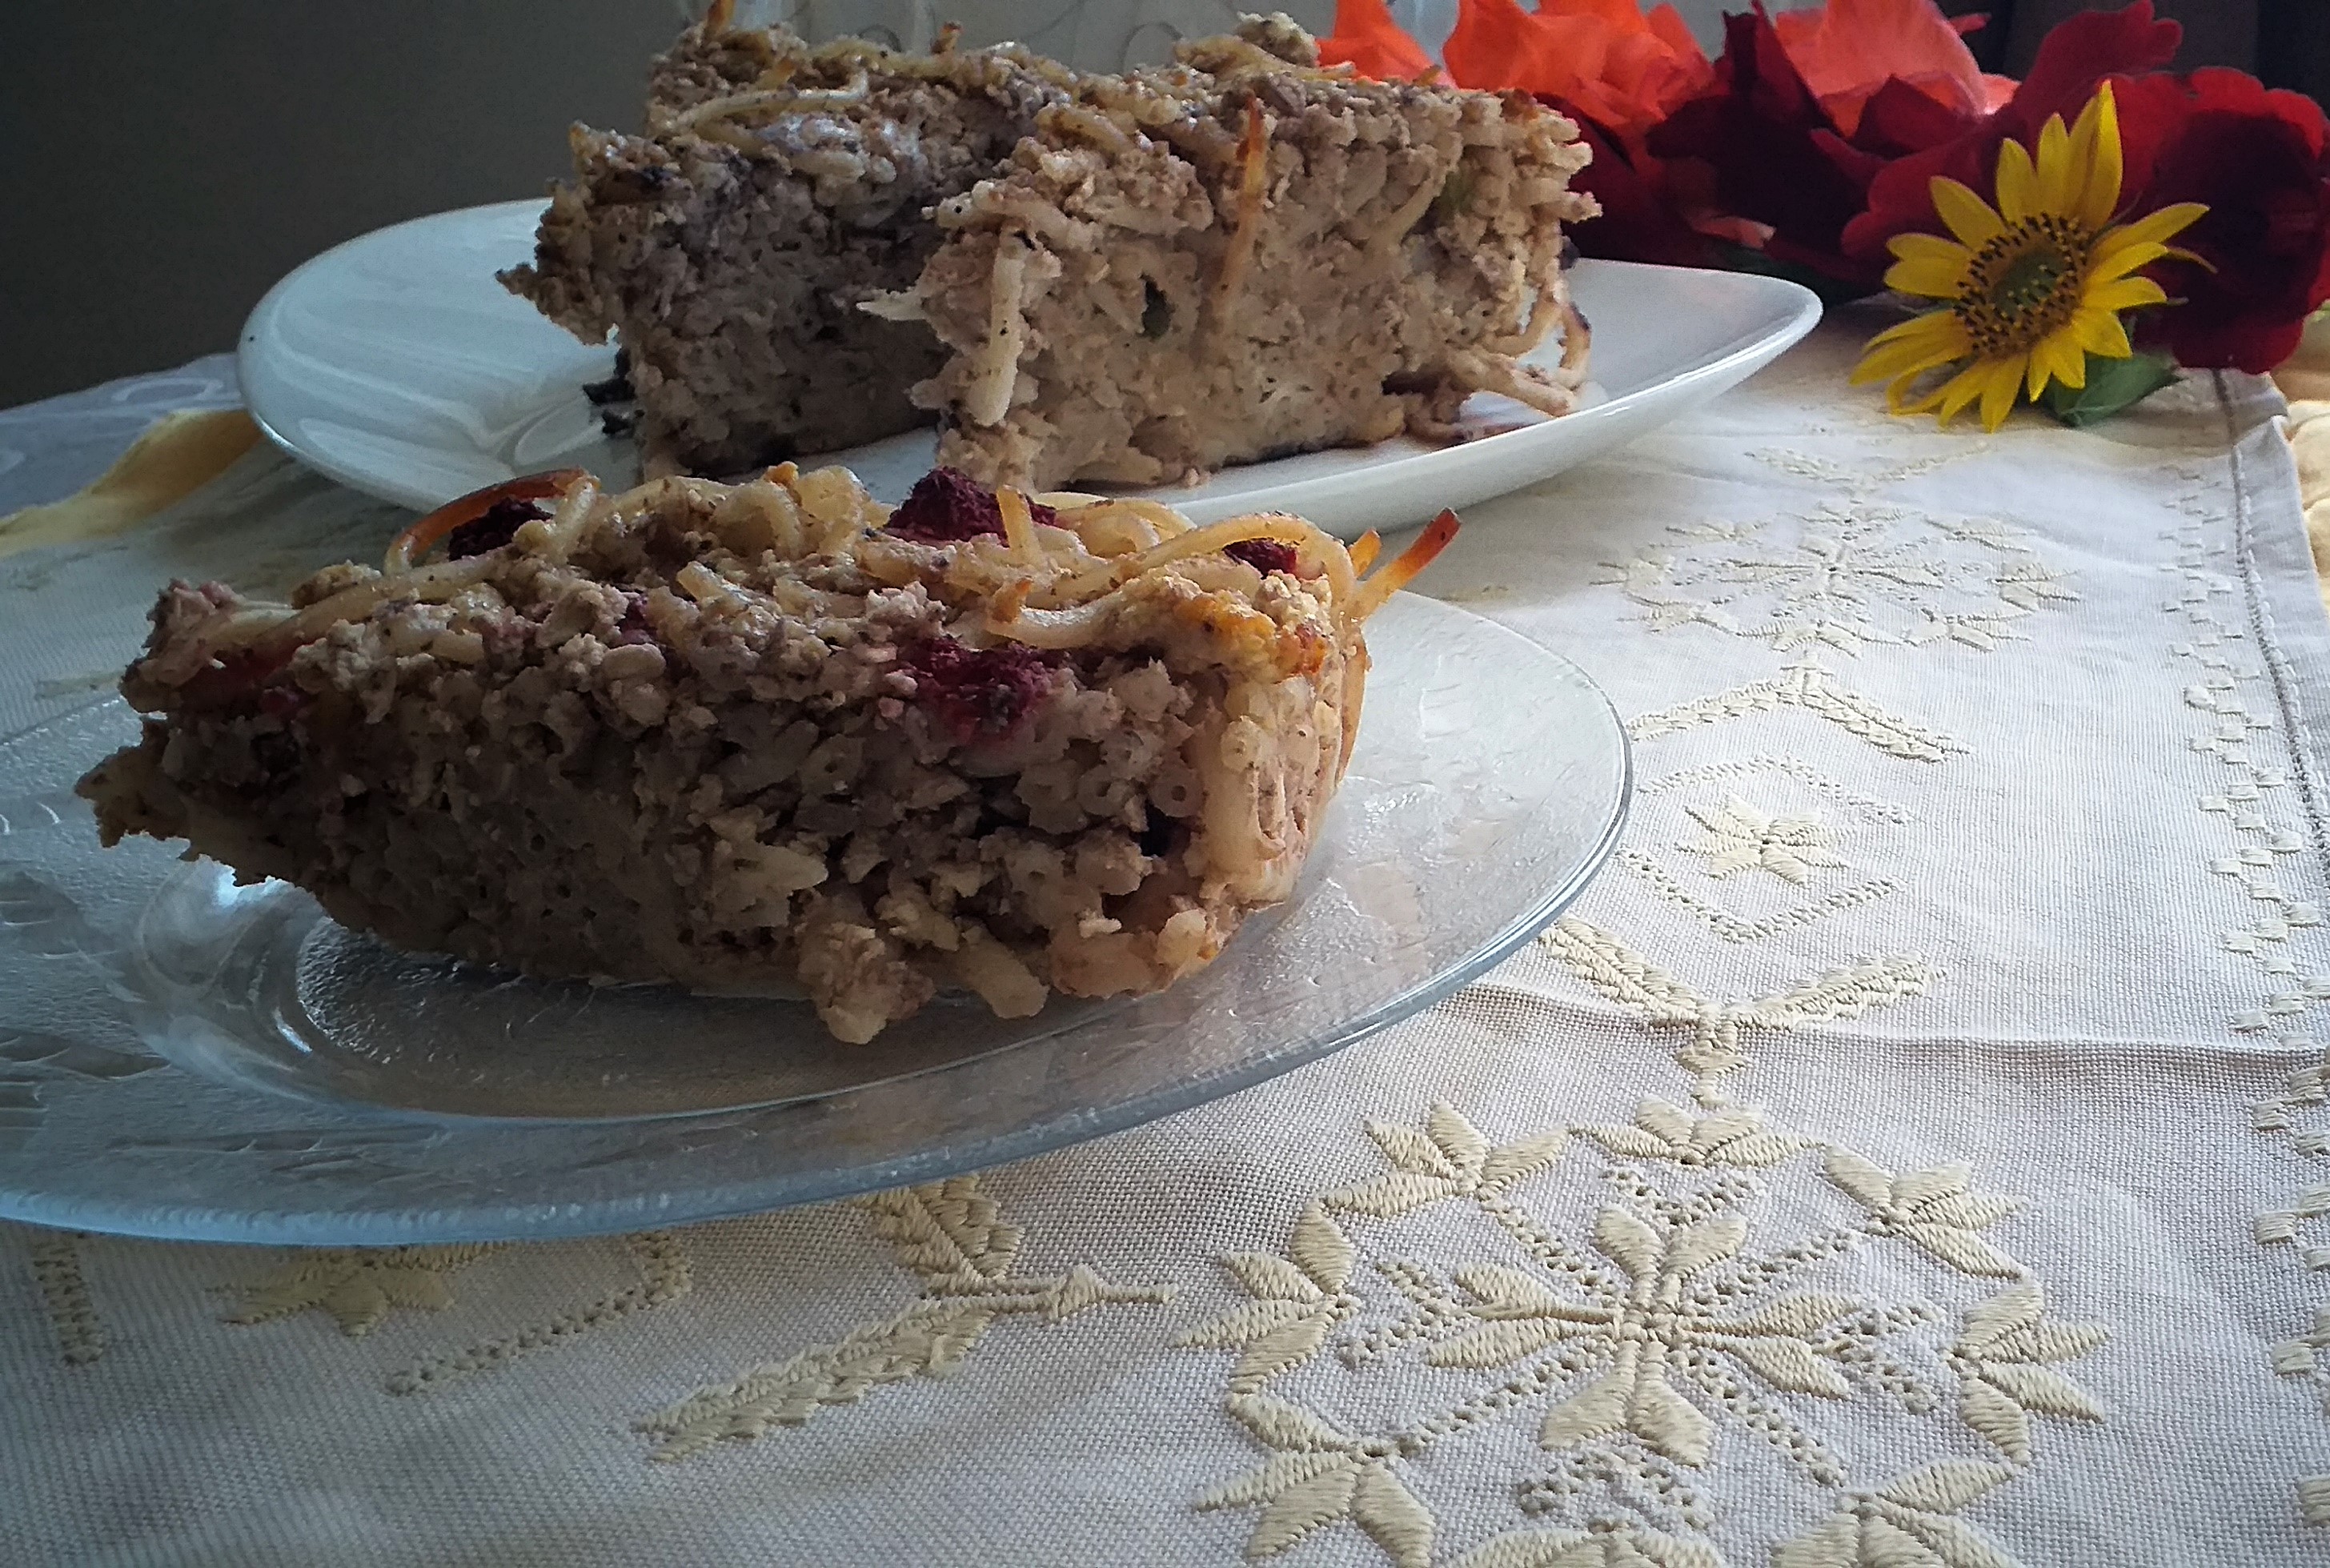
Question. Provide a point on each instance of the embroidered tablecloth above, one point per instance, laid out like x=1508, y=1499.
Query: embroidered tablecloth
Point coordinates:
x=1911, y=1150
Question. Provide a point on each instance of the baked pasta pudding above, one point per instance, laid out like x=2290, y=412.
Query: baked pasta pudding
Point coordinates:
x=727, y=735
x=1079, y=277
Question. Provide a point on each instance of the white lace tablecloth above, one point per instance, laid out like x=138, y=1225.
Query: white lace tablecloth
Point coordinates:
x=1911, y=1151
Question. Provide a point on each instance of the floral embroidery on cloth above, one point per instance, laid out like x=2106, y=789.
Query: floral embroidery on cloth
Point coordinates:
x=1688, y=1318
x=952, y=1236
x=1850, y=571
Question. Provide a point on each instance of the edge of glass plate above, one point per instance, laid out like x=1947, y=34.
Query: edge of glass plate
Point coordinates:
x=571, y=1221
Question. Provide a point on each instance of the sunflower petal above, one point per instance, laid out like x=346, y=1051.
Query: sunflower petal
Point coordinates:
x=2099, y=333
x=2057, y=357
x=1943, y=341
x=2037, y=365
x=2152, y=228
x=2071, y=360
x=1897, y=396
x=1914, y=246
x=2124, y=260
x=1998, y=392
x=2085, y=176
x=1961, y=390
x=1898, y=401
x=1916, y=326
x=1896, y=368
x=2057, y=180
x=1927, y=275
x=1970, y=218
x=1931, y=324
x=2099, y=122
x=2127, y=294
x=1937, y=340
x=1948, y=334
x=2017, y=183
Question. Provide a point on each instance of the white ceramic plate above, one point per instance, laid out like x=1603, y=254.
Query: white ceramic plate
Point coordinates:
x=396, y=364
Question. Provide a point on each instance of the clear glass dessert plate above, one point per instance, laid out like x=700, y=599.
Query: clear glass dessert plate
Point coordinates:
x=397, y=365
x=183, y=1058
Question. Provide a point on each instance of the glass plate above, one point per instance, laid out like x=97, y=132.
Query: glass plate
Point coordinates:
x=183, y=1058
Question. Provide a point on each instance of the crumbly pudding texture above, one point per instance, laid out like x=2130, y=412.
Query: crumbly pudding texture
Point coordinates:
x=1080, y=277
x=726, y=735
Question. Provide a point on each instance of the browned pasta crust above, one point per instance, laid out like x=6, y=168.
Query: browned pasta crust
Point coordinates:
x=726, y=735
x=1079, y=277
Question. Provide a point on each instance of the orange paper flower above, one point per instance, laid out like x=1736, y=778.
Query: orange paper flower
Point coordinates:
x=1618, y=67
x=1366, y=36
x=1848, y=49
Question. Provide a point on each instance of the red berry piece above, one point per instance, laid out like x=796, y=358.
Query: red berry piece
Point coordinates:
x=1264, y=555
x=491, y=528
x=979, y=694
x=948, y=506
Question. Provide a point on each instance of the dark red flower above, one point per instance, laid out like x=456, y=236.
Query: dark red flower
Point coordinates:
x=1638, y=222
x=1770, y=151
x=1762, y=148
x=2074, y=57
x=1809, y=110
x=1900, y=119
x=2255, y=159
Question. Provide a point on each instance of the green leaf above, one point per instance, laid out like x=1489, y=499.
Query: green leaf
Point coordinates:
x=2113, y=384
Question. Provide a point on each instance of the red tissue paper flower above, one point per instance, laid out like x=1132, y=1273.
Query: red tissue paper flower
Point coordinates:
x=1849, y=50
x=1809, y=107
x=2073, y=59
x=1367, y=39
x=1761, y=163
x=1815, y=139
x=1609, y=65
x=2256, y=158
x=1639, y=221
x=1606, y=61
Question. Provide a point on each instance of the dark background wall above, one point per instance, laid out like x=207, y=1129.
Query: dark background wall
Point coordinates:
x=169, y=160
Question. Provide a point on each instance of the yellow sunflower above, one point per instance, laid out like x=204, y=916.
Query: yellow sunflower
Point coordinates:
x=2035, y=285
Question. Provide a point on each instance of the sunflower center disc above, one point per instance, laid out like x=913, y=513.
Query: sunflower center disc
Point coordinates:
x=2024, y=284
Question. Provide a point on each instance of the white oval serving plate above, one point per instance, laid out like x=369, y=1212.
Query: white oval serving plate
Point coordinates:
x=395, y=363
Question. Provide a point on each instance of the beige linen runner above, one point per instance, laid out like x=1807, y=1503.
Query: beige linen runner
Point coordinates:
x=1915, y=1148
